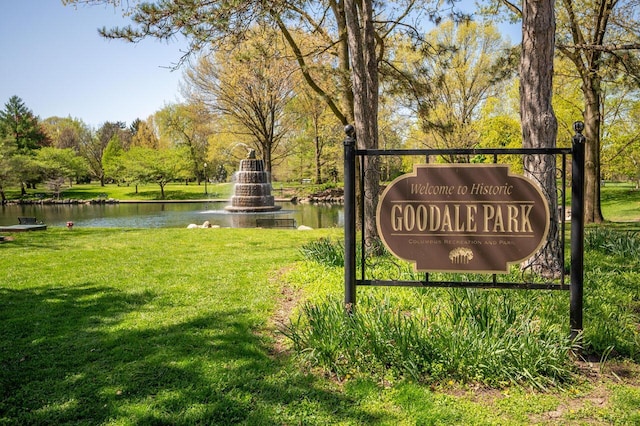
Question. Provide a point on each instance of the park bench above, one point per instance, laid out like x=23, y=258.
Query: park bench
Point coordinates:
x=24, y=220
x=275, y=223
x=25, y=224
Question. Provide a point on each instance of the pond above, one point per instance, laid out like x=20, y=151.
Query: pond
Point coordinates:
x=167, y=215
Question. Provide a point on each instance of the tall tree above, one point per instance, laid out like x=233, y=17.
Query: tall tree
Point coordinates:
x=187, y=125
x=447, y=90
x=21, y=129
x=18, y=123
x=8, y=175
x=361, y=34
x=538, y=120
x=145, y=134
x=112, y=163
x=318, y=127
x=252, y=85
x=598, y=39
x=92, y=149
x=539, y=124
x=601, y=38
x=160, y=166
x=66, y=132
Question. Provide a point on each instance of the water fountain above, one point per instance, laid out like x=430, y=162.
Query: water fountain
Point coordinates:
x=252, y=189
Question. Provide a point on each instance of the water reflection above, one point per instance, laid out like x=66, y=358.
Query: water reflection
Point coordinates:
x=168, y=215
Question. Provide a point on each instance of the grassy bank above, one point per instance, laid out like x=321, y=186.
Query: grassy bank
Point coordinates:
x=177, y=326
x=173, y=191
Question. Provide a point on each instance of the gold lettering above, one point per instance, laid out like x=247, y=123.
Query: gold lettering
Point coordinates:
x=409, y=217
x=512, y=218
x=434, y=218
x=489, y=213
x=472, y=210
x=422, y=217
x=498, y=224
x=446, y=219
x=456, y=216
x=526, y=223
x=396, y=222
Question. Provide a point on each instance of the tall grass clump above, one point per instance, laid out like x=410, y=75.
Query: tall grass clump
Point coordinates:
x=324, y=251
x=433, y=335
x=613, y=242
x=476, y=336
x=612, y=293
x=489, y=336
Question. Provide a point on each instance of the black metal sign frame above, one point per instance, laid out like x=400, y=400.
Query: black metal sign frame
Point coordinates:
x=358, y=276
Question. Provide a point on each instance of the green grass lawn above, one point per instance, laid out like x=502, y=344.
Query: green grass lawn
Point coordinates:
x=173, y=191
x=620, y=202
x=176, y=326
x=148, y=327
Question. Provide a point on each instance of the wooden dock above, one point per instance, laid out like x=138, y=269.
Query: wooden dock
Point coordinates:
x=22, y=228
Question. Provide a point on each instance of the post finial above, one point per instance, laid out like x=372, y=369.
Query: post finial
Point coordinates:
x=578, y=138
x=350, y=130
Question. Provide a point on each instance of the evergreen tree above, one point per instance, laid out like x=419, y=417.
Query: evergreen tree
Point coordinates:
x=19, y=124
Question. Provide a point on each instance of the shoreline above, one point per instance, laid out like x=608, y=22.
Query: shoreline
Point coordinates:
x=115, y=201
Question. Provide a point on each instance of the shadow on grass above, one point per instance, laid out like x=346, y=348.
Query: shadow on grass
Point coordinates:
x=89, y=354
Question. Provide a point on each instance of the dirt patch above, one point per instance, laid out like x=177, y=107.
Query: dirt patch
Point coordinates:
x=577, y=402
x=289, y=298
x=594, y=393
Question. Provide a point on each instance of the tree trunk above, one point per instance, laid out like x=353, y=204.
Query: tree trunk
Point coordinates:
x=364, y=65
x=592, y=209
x=346, y=98
x=539, y=124
x=318, y=161
x=266, y=156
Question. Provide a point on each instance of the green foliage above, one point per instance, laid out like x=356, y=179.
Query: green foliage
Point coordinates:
x=19, y=124
x=7, y=164
x=486, y=337
x=493, y=337
x=324, y=251
x=112, y=163
x=612, y=294
x=466, y=65
x=65, y=163
x=612, y=242
x=145, y=165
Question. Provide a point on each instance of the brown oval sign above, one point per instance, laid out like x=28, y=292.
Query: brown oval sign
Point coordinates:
x=464, y=217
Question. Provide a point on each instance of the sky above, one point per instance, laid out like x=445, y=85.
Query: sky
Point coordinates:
x=52, y=57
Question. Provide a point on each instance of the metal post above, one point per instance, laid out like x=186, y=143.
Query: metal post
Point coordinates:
x=577, y=230
x=205, y=179
x=349, y=219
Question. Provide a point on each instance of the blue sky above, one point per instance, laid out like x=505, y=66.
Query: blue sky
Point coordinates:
x=53, y=58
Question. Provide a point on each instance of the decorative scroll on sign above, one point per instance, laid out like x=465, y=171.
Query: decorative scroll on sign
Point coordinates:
x=464, y=217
